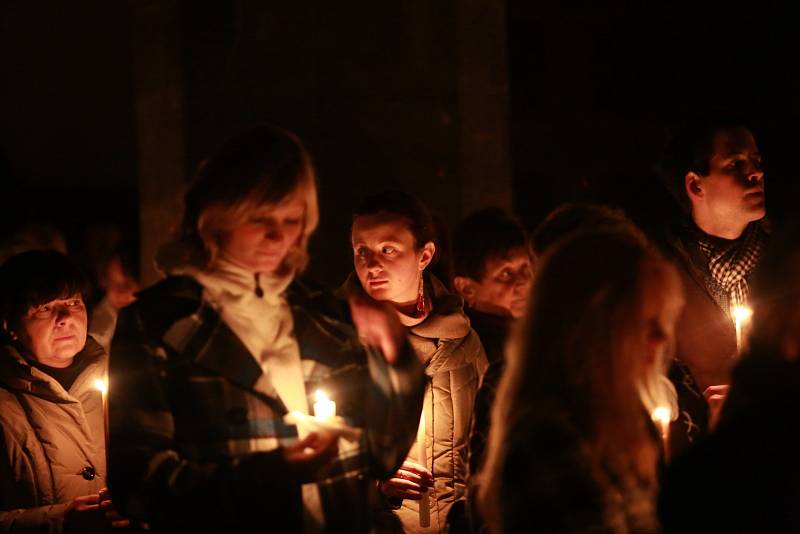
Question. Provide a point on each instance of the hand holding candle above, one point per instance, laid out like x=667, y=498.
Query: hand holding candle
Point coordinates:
x=309, y=455
x=324, y=420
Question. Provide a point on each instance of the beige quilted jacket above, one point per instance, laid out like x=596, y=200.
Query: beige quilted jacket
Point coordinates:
x=52, y=448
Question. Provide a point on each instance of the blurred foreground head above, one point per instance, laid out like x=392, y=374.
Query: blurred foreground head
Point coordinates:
x=598, y=328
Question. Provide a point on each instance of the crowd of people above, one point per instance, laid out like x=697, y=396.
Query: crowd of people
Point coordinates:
x=586, y=376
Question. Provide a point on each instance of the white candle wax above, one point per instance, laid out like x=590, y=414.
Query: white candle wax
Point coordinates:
x=101, y=384
x=424, y=502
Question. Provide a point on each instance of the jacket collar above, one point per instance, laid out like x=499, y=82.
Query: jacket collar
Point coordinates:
x=205, y=339
x=17, y=374
x=446, y=319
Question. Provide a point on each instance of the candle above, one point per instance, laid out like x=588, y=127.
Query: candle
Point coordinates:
x=741, y=315
x=663, y=416
x=101, y=384
x=424, y=502
x=324, y=408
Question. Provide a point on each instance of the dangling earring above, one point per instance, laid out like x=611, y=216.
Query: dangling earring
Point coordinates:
x=421, y=297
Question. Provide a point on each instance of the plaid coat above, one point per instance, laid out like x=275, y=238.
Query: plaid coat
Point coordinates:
x=194, y=443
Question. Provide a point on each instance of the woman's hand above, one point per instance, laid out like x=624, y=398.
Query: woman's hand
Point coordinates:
x=410, y=481
x=112, y=516
x=377, y=324
x=93, y=513
x=715, y=395
x=307, y=457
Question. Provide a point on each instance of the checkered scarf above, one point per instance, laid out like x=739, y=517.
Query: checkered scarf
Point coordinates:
x=730, y=264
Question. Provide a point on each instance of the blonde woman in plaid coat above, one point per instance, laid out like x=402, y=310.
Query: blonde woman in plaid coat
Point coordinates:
x=207, y=363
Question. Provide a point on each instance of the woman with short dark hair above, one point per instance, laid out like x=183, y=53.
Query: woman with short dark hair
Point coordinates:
x=393, y=247
x=53, y=456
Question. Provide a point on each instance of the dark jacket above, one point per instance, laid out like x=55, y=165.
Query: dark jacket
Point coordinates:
x=194, y=444
x=705, y=334
x=705, y=337
x=743, y=477
x=493, y=331
x=693, y=411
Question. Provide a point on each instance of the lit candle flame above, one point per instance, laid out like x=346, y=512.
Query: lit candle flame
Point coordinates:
x=324, y=408
x=101, y=385
x=741, y=315
x=663, y=416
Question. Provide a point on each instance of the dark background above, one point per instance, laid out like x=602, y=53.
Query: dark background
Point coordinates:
x=385, y=95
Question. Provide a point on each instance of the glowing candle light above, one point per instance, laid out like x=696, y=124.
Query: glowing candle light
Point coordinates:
x=662, y=416
x=742, y=315
x=324, y=408
x=101, y=385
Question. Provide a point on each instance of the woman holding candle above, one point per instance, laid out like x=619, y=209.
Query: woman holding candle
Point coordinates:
x=208, y=362
x=52, y=459
x=571, y=449
x=393, y=245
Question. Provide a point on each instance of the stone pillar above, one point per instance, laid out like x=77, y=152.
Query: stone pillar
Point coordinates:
x=156, y=40
x=483, y=105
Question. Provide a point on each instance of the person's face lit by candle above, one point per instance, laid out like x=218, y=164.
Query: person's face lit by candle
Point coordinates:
x=54, y=332
x=261, y=243
x=732, y=193
x=387, y=260
x=503, y=289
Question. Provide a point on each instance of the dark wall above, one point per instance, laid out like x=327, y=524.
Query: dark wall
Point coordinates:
x=595, y=90
x=67, y=136
x=111, y=106
x=377, y=92
x=371, y=89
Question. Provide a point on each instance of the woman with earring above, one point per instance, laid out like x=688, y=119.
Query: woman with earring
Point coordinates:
x=209, y=362
x=393, y=246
